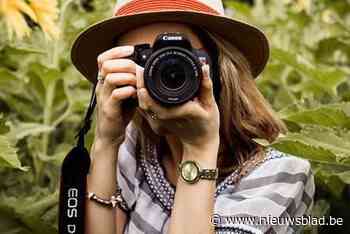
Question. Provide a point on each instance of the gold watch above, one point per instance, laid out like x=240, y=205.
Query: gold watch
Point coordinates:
x=191, y=172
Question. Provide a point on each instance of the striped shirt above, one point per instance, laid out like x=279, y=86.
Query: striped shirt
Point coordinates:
x=282, y=187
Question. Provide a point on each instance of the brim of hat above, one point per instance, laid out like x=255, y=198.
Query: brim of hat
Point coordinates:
x=101, y=36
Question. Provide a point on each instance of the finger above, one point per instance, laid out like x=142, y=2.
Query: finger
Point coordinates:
x=117, y=65
x=98, y=87
x=146, y=103
x=139, y=77
x=122, y=93
x=114, y=80
x=206, y=94
x=114, y=53
x=98, y=90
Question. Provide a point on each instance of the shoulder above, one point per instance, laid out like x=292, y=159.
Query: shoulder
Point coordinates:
x=279, y=172
x=279, y=165
x=281, y=186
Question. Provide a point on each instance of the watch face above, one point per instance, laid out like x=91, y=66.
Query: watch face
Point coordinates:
x=190, y=171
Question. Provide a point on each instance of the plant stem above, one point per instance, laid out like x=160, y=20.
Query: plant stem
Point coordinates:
x=50, y=93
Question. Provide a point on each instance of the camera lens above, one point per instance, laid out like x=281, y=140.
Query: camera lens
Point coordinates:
x=172, y=75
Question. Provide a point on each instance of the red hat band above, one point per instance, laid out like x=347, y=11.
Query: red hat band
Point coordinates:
x=141, y=6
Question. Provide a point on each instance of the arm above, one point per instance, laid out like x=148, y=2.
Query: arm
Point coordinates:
x=194, y=203
x=196, y=124
x=102, y=181
x=112, y=119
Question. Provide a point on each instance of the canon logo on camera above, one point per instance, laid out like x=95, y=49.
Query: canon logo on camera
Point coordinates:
x=173, y=38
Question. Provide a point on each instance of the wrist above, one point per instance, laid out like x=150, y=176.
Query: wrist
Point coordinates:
x=105, y=150
x=206, y=156
x=205, y=147
x=102, y=142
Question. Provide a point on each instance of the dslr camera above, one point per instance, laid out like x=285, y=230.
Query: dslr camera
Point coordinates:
x=172, y=68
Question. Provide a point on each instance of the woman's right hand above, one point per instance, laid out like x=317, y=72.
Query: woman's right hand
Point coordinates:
x=119, y=84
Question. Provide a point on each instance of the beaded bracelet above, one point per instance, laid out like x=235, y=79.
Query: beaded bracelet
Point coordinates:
x=115, y=200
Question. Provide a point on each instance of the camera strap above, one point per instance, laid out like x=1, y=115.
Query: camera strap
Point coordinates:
x=74, y=170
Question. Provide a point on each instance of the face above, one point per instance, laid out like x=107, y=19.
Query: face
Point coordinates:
x=147, y=34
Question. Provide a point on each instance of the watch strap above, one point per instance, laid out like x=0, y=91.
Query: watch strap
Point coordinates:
x=209, y=174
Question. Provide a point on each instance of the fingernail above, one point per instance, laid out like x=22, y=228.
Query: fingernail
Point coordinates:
x=206, y=70
x=128, y=49
x=143, y=92
x=140, y=93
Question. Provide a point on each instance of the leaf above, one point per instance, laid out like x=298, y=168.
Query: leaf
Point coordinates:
x=344, y=176
x=46, y=74
x=238, y=6
x=3, y=127
x=322, y=77
x=329, y=116
x=294, y=146
x=9, y=83
x=327, y=179
x=23, y=107
x=8, y=155
x=328, y=142
x=283, y=97
x=23, y=129
x=321, y=208
x=14, y=57
x=29, y=212
x=316, y=143
x=328, y=46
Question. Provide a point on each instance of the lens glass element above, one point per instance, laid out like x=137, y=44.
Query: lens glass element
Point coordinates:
x=173, y=74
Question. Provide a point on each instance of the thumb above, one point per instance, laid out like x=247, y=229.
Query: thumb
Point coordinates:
x=206, y=94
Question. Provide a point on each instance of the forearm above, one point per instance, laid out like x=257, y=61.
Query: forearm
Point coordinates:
x=194, y=203
x=101, y=180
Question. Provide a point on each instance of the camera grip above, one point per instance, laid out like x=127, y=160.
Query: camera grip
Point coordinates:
x=130, y=103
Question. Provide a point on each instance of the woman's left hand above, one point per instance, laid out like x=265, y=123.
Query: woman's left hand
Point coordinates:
x=196, y=123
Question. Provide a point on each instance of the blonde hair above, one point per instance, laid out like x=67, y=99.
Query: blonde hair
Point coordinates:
x=244, y=112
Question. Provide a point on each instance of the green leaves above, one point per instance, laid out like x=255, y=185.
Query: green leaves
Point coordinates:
x=42, y=98
x=307, y=80
x=29, y=214
x=21, y=130
x=8, y=155
x=325, y=115
x=316, y=78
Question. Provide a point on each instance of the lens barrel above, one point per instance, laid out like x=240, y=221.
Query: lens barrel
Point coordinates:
x=172, y=75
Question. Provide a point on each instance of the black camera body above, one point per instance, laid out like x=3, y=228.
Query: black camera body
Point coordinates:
x=172, y=68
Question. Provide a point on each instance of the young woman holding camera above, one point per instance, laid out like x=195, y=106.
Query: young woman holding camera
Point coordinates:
x=185, y=168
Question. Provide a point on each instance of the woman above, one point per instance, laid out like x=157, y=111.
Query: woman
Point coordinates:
x=215, y=133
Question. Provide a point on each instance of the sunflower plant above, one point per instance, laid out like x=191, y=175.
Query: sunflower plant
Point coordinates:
x=43, y=98
x=18, y=15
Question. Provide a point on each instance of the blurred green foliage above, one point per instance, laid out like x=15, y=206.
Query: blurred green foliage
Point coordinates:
x=43, y=99
x=307, y=82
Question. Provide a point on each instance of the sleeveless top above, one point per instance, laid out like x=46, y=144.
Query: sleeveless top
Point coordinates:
x=268, y=199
